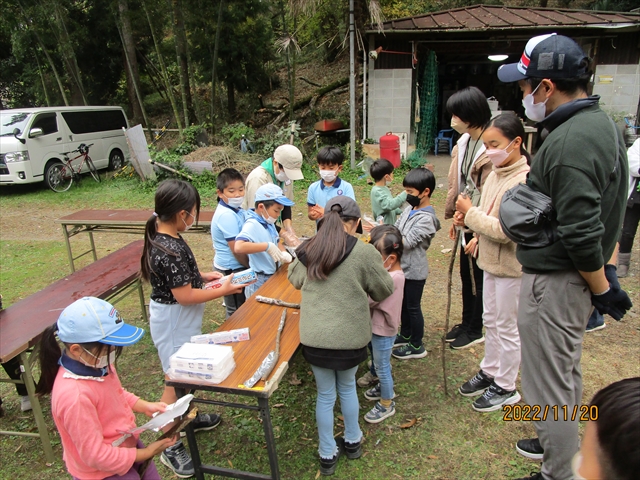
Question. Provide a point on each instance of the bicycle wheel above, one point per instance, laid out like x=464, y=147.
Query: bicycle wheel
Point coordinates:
x=58, y=177
x=93, y=170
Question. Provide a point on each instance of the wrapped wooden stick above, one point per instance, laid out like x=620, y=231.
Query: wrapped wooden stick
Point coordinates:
x=276, y=301
x=266, y=374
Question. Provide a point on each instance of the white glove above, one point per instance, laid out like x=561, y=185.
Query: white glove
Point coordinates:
x=285, y=257
x=274, y=251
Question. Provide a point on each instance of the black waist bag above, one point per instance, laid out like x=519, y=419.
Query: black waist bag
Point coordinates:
x=527, y=217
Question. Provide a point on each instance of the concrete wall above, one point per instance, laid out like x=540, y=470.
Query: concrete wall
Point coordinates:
x=618, y=87
x=389, y=102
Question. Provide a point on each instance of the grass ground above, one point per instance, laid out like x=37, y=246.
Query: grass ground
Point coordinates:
x=448, y=441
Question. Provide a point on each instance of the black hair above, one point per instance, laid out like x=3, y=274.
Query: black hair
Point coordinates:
x=617, y=407
x=387, y=239
x=330, y=154
x=511, y=127
x=569, y=86
x=470, y=105
x=50, y=352
x=226, y=176
x=327, y=247
x=172, y=197
x=420, y=178
x=380, y=168
x=266, y=203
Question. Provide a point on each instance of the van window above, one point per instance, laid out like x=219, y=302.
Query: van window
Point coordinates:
x=47, y=122
x=96, y=121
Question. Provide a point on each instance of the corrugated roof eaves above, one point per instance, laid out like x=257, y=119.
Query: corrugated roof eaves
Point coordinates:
x=505, y=13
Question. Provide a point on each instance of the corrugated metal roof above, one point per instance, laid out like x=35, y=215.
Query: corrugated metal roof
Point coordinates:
x=488, y=17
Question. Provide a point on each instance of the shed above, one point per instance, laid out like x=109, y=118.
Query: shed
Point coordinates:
x=420, y=61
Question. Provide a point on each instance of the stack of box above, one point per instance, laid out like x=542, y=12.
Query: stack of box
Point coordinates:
x=201, y=363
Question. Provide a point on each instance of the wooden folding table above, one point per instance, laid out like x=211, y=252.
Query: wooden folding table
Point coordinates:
x=263, y=321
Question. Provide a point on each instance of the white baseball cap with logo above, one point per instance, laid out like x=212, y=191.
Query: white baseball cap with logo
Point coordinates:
x=91, y=319
x=290, y=157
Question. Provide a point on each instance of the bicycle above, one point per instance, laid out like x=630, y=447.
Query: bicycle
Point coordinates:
x=60, y=175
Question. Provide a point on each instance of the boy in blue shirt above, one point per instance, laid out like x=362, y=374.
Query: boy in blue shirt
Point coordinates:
x=330, y=185
x=225, y=226
x=259, y=238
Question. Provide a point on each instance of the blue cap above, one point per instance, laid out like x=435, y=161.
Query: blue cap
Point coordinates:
x=93, y=320
x=270, y=191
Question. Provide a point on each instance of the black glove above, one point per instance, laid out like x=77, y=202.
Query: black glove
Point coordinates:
x=614, y=302
x=611, y=272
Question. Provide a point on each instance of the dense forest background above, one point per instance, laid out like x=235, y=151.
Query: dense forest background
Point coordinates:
x=194, y=61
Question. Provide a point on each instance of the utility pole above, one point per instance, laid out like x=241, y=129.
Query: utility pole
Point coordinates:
x=352, y=85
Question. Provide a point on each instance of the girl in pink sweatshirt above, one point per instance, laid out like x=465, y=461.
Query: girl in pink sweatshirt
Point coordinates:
x=89, y=405
x=385, y=320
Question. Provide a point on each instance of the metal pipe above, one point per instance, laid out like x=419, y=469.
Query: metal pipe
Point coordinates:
x=352, y=84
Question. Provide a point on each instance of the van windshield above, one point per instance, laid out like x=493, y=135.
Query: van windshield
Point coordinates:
x=11, y=120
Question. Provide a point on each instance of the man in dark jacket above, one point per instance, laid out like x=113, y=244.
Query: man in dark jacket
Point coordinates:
x=582, y=165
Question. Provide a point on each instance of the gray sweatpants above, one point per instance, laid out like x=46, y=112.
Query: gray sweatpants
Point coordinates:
x=552, y=316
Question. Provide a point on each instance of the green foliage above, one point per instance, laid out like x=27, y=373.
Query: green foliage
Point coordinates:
x=417, y=158
x=190, y=137
x=232, y=133
x=269, y=142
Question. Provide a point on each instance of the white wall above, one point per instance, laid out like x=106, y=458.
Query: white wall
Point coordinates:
x=389, y=102
x=622, y=94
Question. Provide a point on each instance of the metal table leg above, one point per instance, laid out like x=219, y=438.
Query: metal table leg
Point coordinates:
x=263, y=403
x=191, y=438
x=65, y=234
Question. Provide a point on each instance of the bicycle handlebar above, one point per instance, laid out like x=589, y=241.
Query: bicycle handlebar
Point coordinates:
x=81, y=147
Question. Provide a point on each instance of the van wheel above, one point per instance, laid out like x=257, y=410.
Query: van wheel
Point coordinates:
x=116, y=160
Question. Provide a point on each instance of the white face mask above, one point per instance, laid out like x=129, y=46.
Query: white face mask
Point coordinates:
x=235, y=202
x=388, y=182
x=328, y=175
x=281, y=176
x=535, y=112
x=103, y=360
x=387, y=268
x=576, y=463
x=186, y=225
x=269, y=219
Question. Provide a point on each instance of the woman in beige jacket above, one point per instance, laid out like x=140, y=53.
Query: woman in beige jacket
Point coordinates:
x=496, y=254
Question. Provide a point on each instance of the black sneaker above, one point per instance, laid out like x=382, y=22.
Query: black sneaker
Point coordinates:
x=464, y=340
x=532, y=476
x=401, y=341
x=408, y=351
x=494, y=398
x=203, y=422
x=476, y=385
x=178, y=460
x=353, y=450
x=328, y=465
x=454, y=333
x=530, y=448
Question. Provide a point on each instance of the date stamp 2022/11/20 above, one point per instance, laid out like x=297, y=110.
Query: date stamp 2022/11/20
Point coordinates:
x=538, y=413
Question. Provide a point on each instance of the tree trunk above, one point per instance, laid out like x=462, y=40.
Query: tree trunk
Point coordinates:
x=183, y=63
x=132, y=73
x=287, y=52
x=231, y=98
x=216, y=44
x=163, y=68
x=44, y=85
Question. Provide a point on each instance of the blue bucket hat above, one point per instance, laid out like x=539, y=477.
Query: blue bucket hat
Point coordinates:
x=93, y=320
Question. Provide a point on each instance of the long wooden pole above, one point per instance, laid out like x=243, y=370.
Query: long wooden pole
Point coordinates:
x=456, y=246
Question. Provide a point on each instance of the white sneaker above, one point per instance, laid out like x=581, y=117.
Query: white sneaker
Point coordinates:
x=25, y=403
x=367, y=380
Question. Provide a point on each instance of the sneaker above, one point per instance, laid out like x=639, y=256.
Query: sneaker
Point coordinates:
x=367, y=380
x=353, y=450
x=476, y=386
x=378, y=413
x=328, y=465
x=203, y=422
x=533, y=476
x=178, y=460
x=401, y=341
x=454, y=333
x=375, y=393
x=596, y=322
x=464, y=340
x=530, y=448
x=25, y=403
x=408, y=351
x=494, y=398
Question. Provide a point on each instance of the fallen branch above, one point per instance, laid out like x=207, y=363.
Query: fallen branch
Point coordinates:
x=310, y=82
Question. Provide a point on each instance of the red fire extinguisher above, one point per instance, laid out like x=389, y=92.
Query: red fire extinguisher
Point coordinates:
x=390, y=148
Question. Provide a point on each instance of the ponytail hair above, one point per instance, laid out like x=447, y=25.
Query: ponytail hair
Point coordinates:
x=326, y=248
x=172, y=197
x=511, y=127
x=388, y=240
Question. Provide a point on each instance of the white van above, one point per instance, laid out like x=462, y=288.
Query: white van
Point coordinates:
x=32, y=139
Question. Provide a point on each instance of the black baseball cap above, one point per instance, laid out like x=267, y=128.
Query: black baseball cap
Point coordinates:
x=550, y=56
x=348, y=208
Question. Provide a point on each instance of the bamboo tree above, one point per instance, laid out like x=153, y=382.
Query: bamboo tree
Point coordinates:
x=163, y=68
x=183, y=63
x=44, y=85
x=216, y=45
x=133, y=73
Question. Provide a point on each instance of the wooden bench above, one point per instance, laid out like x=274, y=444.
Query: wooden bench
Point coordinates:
x=111, y=278
x=263, y=321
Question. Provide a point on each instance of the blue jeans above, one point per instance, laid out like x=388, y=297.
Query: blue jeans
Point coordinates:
x=251, y=289
x=327, y=383
x=382, y=347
